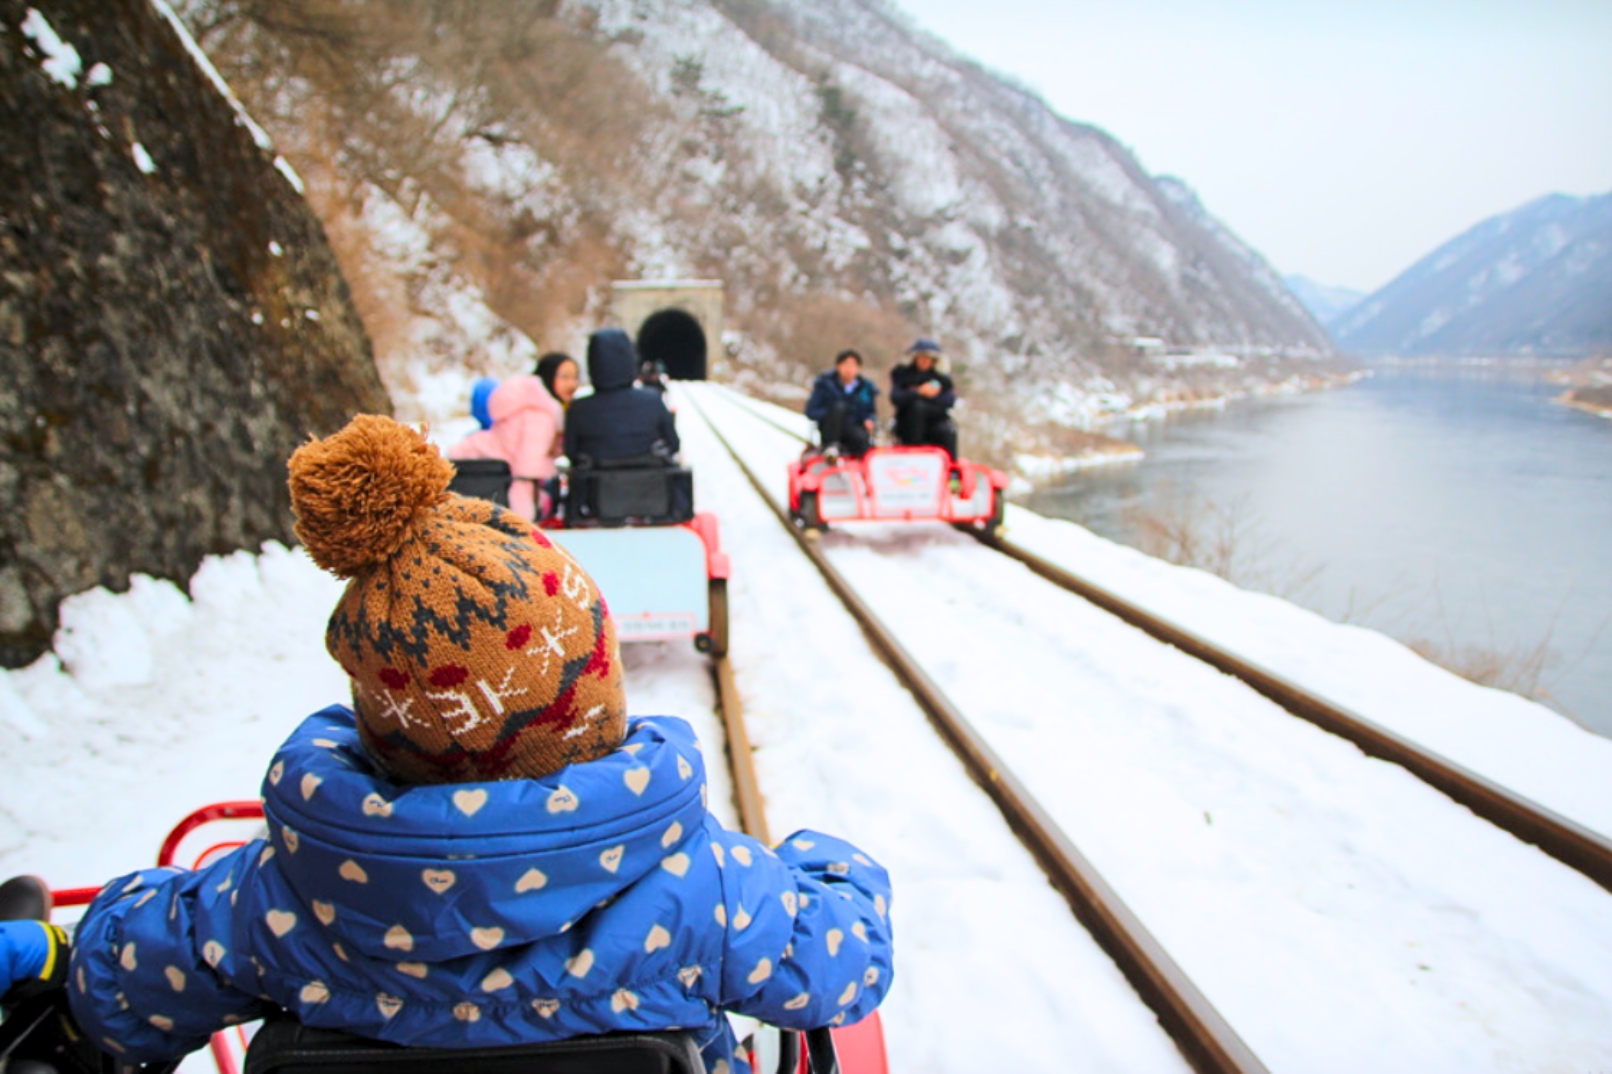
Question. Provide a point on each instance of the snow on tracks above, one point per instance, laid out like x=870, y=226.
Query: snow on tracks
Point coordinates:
x=1333, y=907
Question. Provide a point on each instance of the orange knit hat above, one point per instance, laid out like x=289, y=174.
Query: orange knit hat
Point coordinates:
x=478, y=649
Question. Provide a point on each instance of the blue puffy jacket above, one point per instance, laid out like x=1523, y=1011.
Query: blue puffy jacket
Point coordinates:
x=601, y=897
x=828, y=389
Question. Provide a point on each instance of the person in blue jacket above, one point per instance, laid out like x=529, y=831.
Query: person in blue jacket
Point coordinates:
x=844, y=405
x=33, y=954
x=483, y=849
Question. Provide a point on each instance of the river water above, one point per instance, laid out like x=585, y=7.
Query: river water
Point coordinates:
x=1457, y=507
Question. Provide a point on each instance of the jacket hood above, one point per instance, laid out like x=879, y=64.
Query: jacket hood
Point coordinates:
x=523, y=393
x=612, y=360
x=479, y=395
x=442, y=871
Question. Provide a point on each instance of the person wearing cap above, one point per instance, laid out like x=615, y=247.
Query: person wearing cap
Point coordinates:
x=844, y=405
x=483, y=849
x=923, y=397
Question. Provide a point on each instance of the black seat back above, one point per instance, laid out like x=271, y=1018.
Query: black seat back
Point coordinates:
x=644, y=489
x=284, y=1046
x=486, y=479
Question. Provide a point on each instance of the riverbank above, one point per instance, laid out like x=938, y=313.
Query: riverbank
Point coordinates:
x=1597, y=401
x=1090, y=450
x=1191, y=401
x=1081, y=448
x=1588, y=384
x=1454, y=506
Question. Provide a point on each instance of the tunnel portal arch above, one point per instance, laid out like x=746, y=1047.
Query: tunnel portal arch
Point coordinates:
x=675, y=322
x=674, y=338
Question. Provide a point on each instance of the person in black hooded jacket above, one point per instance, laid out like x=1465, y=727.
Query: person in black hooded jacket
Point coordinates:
x=617, y=421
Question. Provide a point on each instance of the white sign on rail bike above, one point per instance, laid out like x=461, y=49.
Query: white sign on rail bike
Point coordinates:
x=906, y=484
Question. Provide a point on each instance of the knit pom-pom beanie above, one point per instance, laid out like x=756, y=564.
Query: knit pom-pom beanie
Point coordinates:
x=357, y=494
x=477, y=648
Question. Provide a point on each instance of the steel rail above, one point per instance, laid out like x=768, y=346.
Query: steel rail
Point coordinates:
x=741, y=757
x=1204, y=1037
x=1564, y=839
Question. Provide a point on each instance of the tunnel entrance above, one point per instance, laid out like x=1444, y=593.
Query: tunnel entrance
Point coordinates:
x=675, y=339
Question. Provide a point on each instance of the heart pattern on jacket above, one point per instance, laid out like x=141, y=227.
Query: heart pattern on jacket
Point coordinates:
x=469, y=802
x=438, y=880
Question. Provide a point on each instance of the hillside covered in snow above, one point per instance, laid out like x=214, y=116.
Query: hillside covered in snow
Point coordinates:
x=1532, y=282
x=484, y=172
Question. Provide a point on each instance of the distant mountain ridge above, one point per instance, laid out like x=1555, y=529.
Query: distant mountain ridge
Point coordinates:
x=1326, y=304
x=1534, y=281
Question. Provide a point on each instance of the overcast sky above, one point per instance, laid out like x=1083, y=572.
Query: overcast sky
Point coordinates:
x=1344, y=139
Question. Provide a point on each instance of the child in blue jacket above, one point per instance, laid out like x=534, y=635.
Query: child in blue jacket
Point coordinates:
x=483, y=849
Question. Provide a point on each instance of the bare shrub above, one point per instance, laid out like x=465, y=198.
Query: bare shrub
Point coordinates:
x=1228, y=541
x=1519, y=669
x=1186, y=529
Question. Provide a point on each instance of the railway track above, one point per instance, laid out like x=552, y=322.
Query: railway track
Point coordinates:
x=1576, y=846
x=741, y=758
x=1203, y=1036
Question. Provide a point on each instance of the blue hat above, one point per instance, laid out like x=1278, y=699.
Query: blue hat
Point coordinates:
x=479, y=396
x=924, y=346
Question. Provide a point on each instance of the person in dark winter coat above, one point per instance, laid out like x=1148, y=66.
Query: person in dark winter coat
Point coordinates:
x=618, y=420
x=843, y=404
x=923, y=397
x=484, y=849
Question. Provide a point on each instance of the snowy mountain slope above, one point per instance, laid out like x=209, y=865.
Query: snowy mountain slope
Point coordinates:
x=1000, y=211
x=1179, y=784
x=1326, y=304
x=1534, y=281
x=851, y=180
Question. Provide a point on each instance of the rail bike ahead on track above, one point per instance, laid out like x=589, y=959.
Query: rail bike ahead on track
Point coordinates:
x=632, y=526
x=894, y=484
x=38, y=1036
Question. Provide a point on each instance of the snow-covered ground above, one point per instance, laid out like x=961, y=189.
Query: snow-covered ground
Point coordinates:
x=1339, y=913
x=1273, y=860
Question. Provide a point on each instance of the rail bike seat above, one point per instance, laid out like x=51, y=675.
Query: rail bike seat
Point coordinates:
x=640, y=489
x=486, y=479
x=285, y=1046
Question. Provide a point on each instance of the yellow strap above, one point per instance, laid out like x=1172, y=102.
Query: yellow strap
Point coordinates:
x=55, y=938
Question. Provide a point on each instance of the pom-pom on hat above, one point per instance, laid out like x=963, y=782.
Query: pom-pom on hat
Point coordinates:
x=477, y=648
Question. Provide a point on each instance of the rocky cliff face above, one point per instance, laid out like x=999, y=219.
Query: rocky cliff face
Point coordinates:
x=172, y=322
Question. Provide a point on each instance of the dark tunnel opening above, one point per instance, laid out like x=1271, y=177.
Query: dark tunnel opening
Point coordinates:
x=676, y=340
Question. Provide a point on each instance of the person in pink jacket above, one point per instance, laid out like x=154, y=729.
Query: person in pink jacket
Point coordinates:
x=526, y=433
